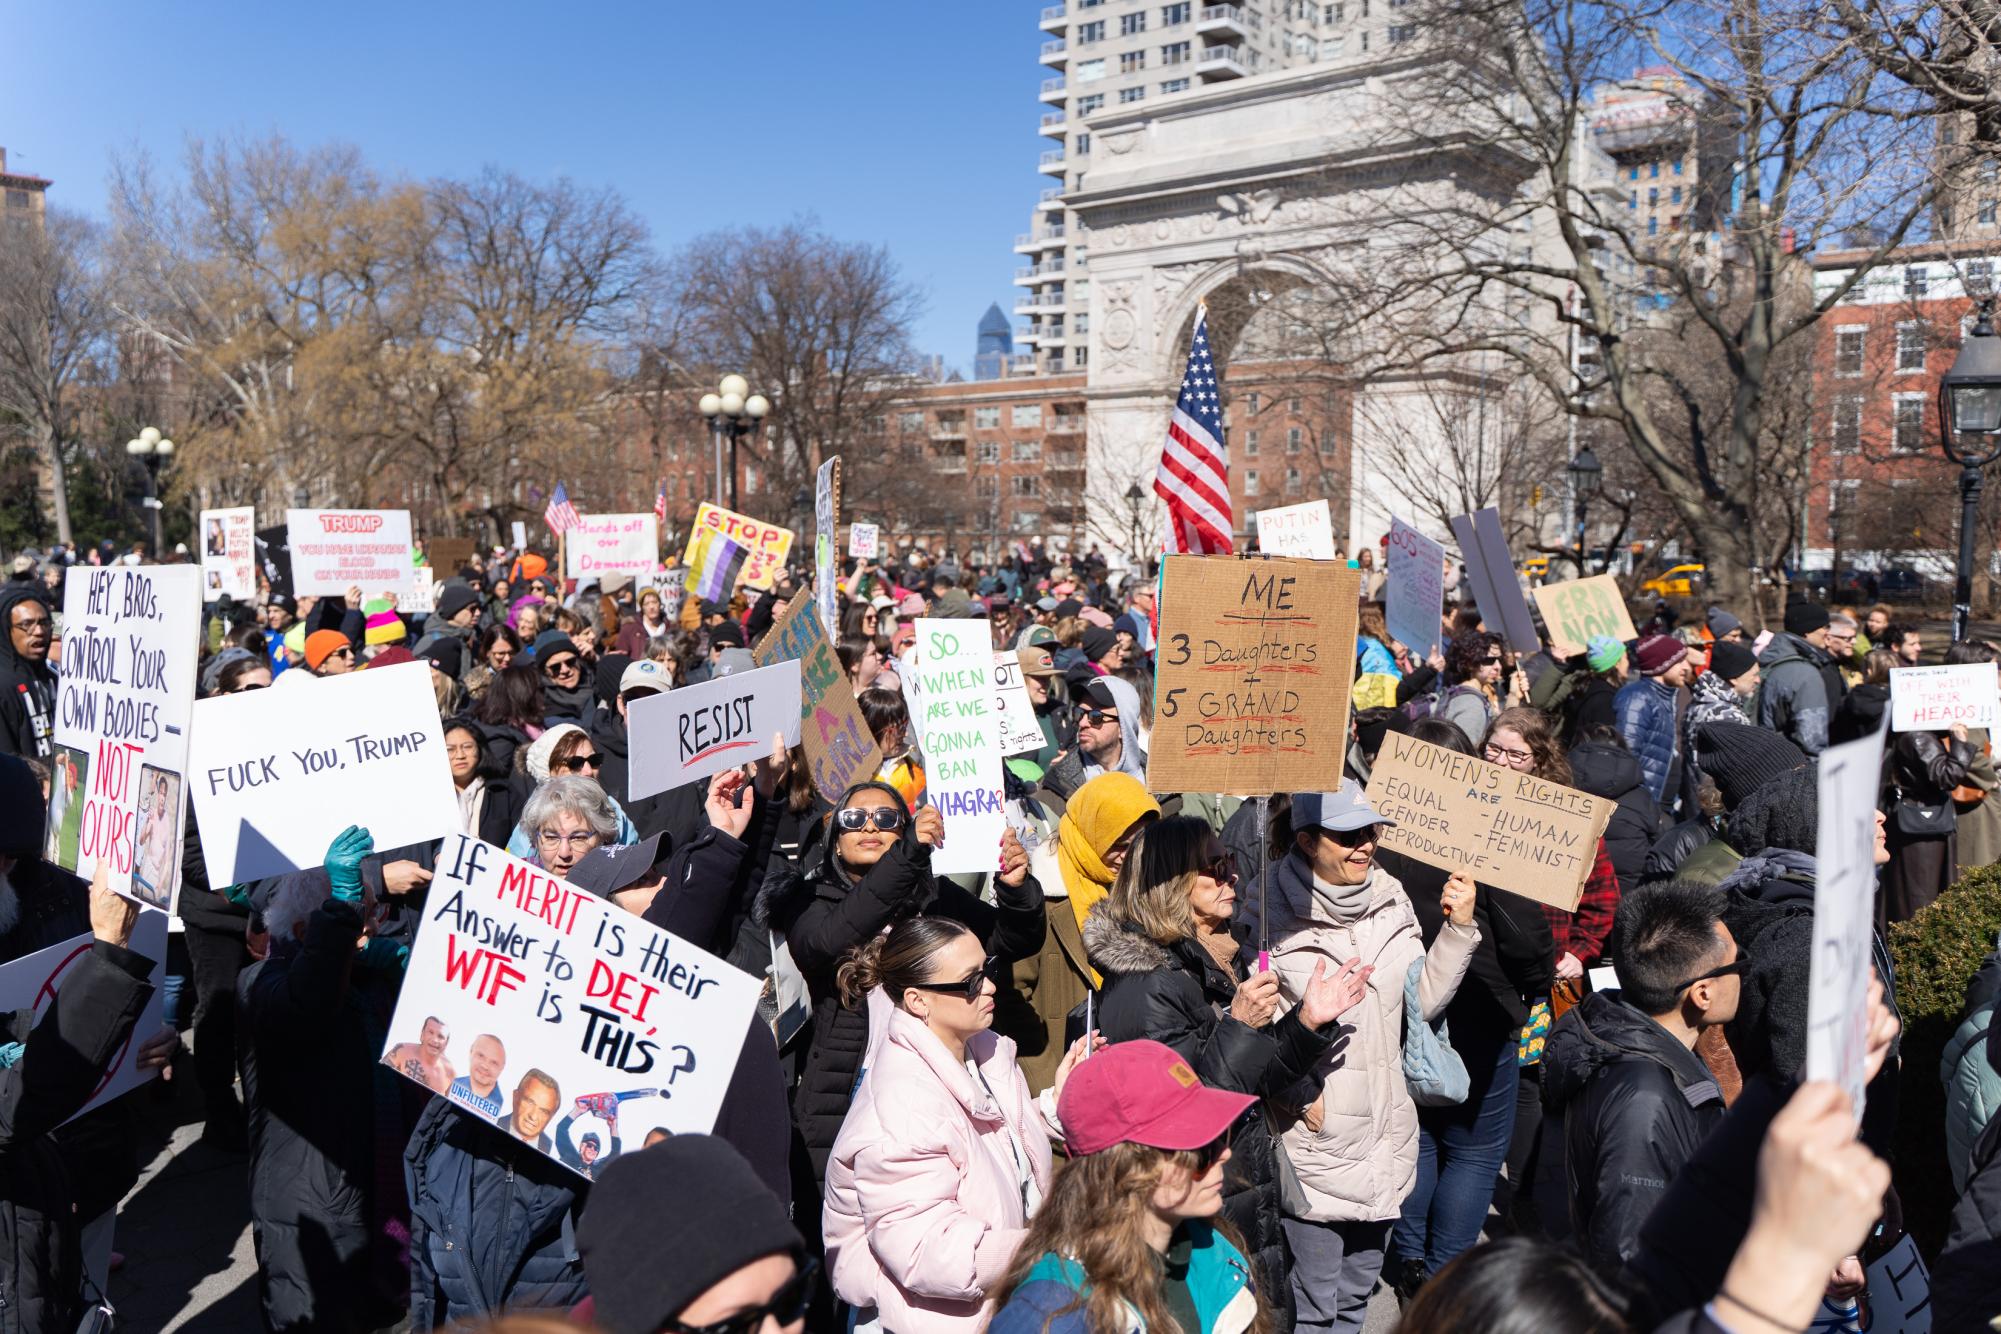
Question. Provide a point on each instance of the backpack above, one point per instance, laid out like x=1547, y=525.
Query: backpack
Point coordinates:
x=1432, y=704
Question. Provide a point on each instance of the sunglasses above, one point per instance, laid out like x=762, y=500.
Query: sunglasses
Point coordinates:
x=787, y=1306
x=856, y=818
x=1354, y=838
x=967, y=989
x=579, y=763
x=342, y=653
x=559, y=666
x=1223, y=870
x=1211, y=1153
x=1491, y=662
x=1098, y=717
x=1736, y=968
x=246, y=689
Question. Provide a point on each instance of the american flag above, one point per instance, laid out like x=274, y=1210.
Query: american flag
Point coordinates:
x=1194, y=478
x=561, y=516
x=660, y=502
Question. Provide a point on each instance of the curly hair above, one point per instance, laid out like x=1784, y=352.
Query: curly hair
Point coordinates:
x=1466, y=654
x=1539, y=735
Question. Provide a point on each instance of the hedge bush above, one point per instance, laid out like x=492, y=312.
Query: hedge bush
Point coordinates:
x=1936, y=954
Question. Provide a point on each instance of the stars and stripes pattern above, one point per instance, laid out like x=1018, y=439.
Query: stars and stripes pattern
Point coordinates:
x=660, y=502
x=561, y=515
x=1194, y=479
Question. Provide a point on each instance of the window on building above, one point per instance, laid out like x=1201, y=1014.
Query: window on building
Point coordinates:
x=1985, y=213
x=1909, y=434
x=1399, y=33
x=1080, y=357
x=1979, y=276
x=1251, y=403
x=1087, y=105
x=1845, y=425
x=1174, y=86
x=1654, y=167
x=1916, y=279
x=1848, y=345
x=1088, y=71
x=1677, y=166
x=1028, y=486
x=1173, y=14
x=1674, y=195
x=1175, y=53
x=1250, y=444
x=987, y=418
x=1081, y=144
x=1292, y=481
x=1293, y=439
x=910, y=422
x=1093, y=31
x=1653, y=196
x=19, y=199
x=1028, y=451
x=986, y=451
x=1653, y=226
x=986, y=488
x=1911, y=347
x=1332, y=13
x=1250, y=481
x=1131, y=62
x=1633, y=172
x=1632, y=199
x=1026, y=414
x=1365, y=42
x=1132, y=24
x=1133, y=94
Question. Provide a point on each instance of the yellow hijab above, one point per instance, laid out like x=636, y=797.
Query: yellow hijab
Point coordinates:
x=1099, y=812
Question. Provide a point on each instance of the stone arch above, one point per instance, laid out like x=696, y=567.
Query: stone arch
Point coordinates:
x=1228, y=286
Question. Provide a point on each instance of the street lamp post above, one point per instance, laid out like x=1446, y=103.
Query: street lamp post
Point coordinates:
x=152, y=449
x=1586, y=474
x=1970, y=429
x=733, y=411
x=1134, y=498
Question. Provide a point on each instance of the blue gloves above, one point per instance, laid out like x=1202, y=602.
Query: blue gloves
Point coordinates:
x=344, y=856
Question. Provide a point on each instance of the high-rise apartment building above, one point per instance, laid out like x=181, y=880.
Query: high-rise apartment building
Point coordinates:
x=22, y=198
x=1673, y=149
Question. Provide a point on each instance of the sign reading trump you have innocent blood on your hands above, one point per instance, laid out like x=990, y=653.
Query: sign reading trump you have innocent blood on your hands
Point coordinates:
x=335, y=550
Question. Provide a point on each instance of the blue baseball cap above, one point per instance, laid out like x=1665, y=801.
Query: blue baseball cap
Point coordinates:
x=1342, y=810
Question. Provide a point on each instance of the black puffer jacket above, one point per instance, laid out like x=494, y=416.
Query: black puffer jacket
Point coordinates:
x=1966, y=1280
x=1674, y=847
x=1607, y=769
x=1179, y=995
x=677, y=814
x=27, y=689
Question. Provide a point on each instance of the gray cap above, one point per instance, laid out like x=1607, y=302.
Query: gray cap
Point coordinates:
x=1341, y=811
x=731, y=661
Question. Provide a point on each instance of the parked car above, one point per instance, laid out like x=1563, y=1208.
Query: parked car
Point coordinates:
x=1901, y=585
x=1681, y=581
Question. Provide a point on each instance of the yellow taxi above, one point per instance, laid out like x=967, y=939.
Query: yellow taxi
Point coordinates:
x=1679, y=582
x=1536, y=568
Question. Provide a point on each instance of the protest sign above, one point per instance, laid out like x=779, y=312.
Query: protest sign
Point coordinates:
x=33, y=980
x=826, y=519
x=863, y=539
x=1414, y=594
x=601, y=545
x=121, y=727
x=277, y=773
x=1019, y=731
x=1297, y=530
x=1256, y=661
x=688, y=733
x=274, y=556
x=839, y=749
x=1932, y=699
x=958, y=726
x=764, y=547
x=449, y=555
x=519, y=533
x=1580, y=609
x=1503, y=827
x=1496, y=588
x=551, y=1014
x=229, y=553
x=1899, y=1300
x=1844, y=913
x=335, y=550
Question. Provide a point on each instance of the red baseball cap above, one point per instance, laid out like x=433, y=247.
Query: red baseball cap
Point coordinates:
x=1142, y=1092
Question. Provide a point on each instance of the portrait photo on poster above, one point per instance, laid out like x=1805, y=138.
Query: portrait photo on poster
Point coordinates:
x=156, y=846
x=69, y=778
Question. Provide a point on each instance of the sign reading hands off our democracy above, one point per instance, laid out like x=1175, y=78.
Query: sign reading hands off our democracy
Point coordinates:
x=1256, y=659
x=689, y=733
x=277, y=773
x=839, y=749
x=1582, y=608
x=1504, y=828
x=553, y=1015
x=602, y=545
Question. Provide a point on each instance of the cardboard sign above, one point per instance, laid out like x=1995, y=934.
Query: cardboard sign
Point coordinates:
x=1414, y=595
x=1932, y=699
x=552, y=1014
x=1019, y=731
x=768, y=544
x=1297, y=530
x=688, y=733
x=1256, y=660
x=121, y=733
x=1844, y=913
x=826, y=518
x=33, y=980
x=1496, y=588
x=229, y=553
x=863, y=540
x=1582, y=608
x=958, y=726
x=277, y=773
x=1504, y=828
x=335, y=550
x=449, y=555
x=839, y=749
x=612, y=544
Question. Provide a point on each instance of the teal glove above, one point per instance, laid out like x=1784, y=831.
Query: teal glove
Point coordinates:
x=344, y=856
x=384, y=955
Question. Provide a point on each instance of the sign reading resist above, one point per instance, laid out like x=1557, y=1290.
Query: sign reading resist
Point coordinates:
x=335, y=550
x=612, y=544
x=691, y=732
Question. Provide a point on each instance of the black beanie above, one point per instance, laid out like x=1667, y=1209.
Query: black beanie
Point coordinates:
x=1803, y=618
x=1742, y=758
x=729, y=634
x=454, y=599
x=1784, y=813
x=691, y=1200
x=448, y=655
x=1730, y=659
x=1098, y=641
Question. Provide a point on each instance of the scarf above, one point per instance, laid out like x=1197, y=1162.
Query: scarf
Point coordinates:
x=1099, y=813
x=1344, y=904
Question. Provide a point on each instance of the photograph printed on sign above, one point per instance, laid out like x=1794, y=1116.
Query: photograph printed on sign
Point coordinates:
x=156, y=854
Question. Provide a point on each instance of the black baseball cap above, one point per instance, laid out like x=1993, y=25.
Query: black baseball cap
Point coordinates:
x=605, y=871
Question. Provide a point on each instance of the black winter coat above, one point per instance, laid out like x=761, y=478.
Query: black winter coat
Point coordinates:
x=677, y=814
x=1607, y=769
x=1674, y=847
x=67, y=1050
x=27, y=689
x=1966, y=1280
x=1179, y=995
x=1634, y=1104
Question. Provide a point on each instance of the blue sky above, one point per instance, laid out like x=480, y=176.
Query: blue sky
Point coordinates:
x=909, y=123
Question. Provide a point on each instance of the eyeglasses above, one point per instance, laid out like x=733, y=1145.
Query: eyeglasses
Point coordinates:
x=1354, y=838
x=1223, y=870
x=462, y=748
x=1736, y=968
x=559, y=666
x=33, y=623
x=1099, y=717
x=578, y=763
x=856, y=818
x=787, y=1306
x=580, y=842
x=1502, y=755
x=967, y=989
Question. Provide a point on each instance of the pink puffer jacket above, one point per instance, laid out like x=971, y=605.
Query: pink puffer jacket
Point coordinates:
x=924, y=1204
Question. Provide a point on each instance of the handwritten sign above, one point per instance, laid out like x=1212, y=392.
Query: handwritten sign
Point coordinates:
x=449, y=555
x=519, y=532
x=1844, y=913
x=229, y=553
x=1414, y=596
x=863, y=540
x=1505, y=828
x=335, y=550
x=1582, y=608
x=122, y=704
x=768, y=544
x=687, y=734
x=1932, y=699
x=826, y=519
x=1495, y=585
x=1256, y=660
x=603, y=545
x=1297, y=530
x=33, y=980
x=958, y=725
x=277, y=773
x=839, y=749
x=1019, y=731
x=553, y=1014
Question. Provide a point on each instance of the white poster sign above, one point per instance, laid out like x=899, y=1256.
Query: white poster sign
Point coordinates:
x=229, y=553
x=863, y=540
x=1414, y=596
x=1900, y=1297
x=826, y=518
x=1837, y=1002
x=1297, y=530
x=277, y=773
x=519, y=532
x=680, y=736
x=1019, y=730
x=959, y=730
x=613, y=544
x=335, y=550
x=560, y=1018
x=33, y=980
x=1932, y=699
x=121, y=734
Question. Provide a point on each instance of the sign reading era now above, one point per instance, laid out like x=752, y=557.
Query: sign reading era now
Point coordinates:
x=1582, y=609
x=1504, y=828
x=1932, y=699
x=229, y=553
x=335, y=550
x=612, y=544
x=839, y=749
x=768, y=544
x=689, y=733
x=552, y=1014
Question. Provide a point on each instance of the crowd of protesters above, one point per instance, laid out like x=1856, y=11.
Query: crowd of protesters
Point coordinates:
x=1180, y=1061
